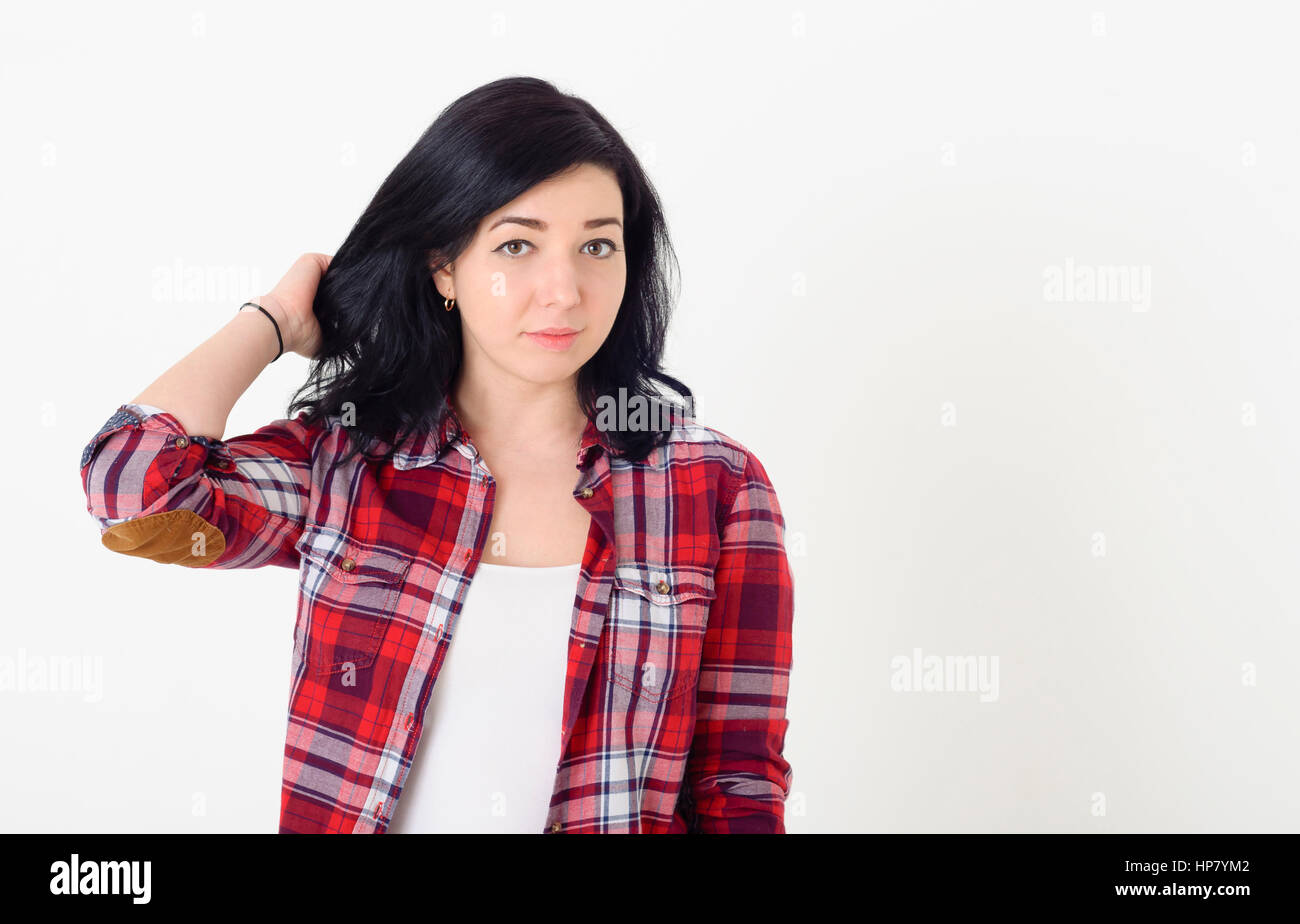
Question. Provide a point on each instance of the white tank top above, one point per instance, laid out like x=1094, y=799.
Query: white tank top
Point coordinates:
x=488, y=751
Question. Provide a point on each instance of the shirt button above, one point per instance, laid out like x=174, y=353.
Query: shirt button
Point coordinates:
x=181, y=442
x=586, y=492
x=662, y=587
x=555, y=827
x=349, y=564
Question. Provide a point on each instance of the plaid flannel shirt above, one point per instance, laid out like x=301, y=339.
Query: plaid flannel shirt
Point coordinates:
x=674, y=714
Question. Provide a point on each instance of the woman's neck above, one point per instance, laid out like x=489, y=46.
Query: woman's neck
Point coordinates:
x=517, y=415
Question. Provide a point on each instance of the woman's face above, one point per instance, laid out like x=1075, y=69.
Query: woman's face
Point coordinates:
x=552, y=259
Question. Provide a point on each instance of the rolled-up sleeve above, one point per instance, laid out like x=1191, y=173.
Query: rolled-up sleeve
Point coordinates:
x=737, y=773
x=158, y=493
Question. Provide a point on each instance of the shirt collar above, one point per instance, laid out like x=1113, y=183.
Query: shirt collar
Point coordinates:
x=427, y=446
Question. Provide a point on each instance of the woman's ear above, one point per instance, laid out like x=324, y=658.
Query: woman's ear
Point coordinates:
x=441, y=276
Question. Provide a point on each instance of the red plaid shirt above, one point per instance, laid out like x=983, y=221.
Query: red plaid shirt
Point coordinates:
x=679, y=654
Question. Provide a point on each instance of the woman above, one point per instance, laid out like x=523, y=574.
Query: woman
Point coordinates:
x=484, y=471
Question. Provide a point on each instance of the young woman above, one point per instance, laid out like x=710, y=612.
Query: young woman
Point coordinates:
x=535, y=596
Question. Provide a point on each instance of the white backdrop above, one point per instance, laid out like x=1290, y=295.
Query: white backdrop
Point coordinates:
x=1001, y=295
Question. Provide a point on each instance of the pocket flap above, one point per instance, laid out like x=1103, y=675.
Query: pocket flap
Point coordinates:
x=663, y=584
x=350, y=561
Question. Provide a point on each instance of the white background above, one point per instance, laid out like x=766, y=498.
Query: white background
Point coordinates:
x=865, y=200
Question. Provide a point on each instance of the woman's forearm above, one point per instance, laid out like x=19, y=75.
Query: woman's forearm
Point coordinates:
x=201, y=388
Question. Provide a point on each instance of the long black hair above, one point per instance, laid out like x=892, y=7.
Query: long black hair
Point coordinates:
x=390, y=353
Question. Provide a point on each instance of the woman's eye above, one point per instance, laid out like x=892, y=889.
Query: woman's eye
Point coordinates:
x=511, y=252
x=608, y=243
x=506, y=248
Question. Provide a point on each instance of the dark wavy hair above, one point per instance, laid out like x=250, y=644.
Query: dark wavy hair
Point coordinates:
x=387, y=346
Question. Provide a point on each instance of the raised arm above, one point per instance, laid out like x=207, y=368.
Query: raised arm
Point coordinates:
x=161, y=482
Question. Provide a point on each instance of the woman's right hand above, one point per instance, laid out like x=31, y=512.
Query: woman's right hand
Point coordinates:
x=291, y=300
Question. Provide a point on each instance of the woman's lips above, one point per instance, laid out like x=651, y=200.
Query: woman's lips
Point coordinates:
x=556, y=342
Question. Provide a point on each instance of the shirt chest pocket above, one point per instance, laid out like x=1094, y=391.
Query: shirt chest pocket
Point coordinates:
x=656, y=623
x=349, y=591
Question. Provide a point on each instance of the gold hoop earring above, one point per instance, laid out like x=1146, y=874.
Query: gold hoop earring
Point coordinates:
x=449, y=303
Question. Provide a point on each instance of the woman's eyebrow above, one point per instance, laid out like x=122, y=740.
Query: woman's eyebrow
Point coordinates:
x=538, y=225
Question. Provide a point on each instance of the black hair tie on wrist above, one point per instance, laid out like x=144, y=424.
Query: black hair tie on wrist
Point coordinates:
x=277, y=326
